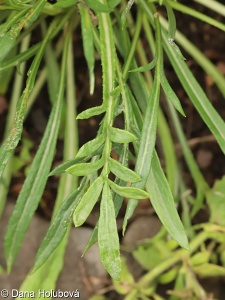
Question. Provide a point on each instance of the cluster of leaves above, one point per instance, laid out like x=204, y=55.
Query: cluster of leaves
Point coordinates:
x=107, y=28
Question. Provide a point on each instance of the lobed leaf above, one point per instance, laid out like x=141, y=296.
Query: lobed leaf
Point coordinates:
x=123, y=172
x=117, y=135
x=128, y=192
x=84, y=169
x=87, y=202
x=108, y=240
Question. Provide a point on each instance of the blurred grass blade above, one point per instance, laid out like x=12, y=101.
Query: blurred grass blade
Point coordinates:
x=59, y=226
x=36, y=180
x=199, y=99
x=14, y=136
x=8, y=39
x=169, y=152
x=88, y=43
x=87, y=202
x=54, y=264
x=16, y=92
x=108, y=239
x=163, y=203
x=148, y=135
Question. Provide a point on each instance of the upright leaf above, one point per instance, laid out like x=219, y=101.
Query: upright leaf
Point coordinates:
x=36, y=180
x=88, y=43
x=163, y=203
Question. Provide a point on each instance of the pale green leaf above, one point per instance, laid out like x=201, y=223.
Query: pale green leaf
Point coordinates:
x=87, y=202
x=90, y=112
x=59, y=226
x=85, y=168
x=109, y=246
x=171, y=95
x=123, y=172
x=65, y=3
x=117, y=135
x=216, y=202
x=163, y=203
x=88, y=43
x=209, y=270
x=91, y=146
x=147, y=67
x=128, y=192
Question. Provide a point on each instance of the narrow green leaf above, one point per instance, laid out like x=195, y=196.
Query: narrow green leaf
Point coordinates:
x=59, y=226
x=163, y=203
x=123, y=172
x=109, y=246
x=8, y=39
x=91, y=147
x=128, y=192
x=171, y=20
x=124, y=13
x=36, y=180
x=147, y=67
x=85, y=168
x=98, y=6
x=90, y=112
x=65, y=3
x=13, y=138
x=171, y=95
x=88, y=43
x=117, y=135
x=87, y=202
x=62, y=168
x=147, y=144
x=113, y=3
x=199, y=99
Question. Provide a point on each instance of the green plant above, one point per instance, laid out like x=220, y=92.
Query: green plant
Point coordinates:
x=125, y=92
